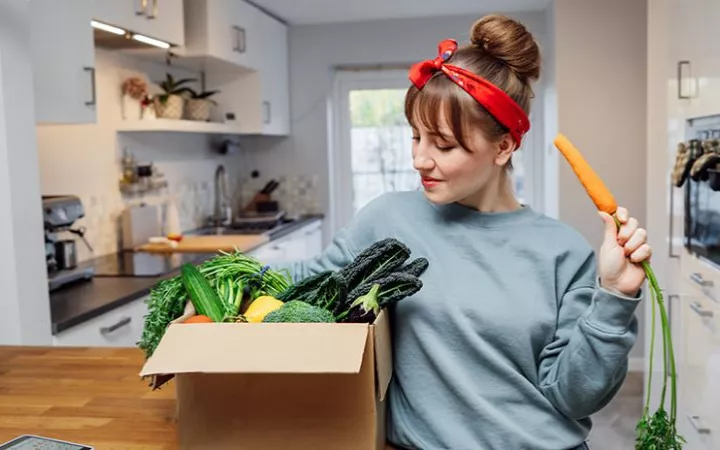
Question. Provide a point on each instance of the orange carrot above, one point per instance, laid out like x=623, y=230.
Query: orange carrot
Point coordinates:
x=599, y=193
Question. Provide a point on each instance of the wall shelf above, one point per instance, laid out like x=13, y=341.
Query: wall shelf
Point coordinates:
x=178, y=126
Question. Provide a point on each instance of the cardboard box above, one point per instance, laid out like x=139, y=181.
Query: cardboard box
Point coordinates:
x=277, y=386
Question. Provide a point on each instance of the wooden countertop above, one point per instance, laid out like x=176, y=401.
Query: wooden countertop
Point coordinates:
x=209, y=244
x=90, y=396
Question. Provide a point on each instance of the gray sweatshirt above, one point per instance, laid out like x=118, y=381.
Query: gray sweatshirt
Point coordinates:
x=510, y=344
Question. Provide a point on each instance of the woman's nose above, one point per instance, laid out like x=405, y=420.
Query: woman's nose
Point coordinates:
x=422, y=162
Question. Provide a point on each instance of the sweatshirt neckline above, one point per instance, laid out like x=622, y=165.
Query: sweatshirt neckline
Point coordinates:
x=458, y=213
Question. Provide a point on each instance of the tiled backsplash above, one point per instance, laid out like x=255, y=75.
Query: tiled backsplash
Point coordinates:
x=103, y=213
x=296, y=194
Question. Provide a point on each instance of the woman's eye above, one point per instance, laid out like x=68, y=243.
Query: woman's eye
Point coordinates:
x=416, y=138
x=445, y=147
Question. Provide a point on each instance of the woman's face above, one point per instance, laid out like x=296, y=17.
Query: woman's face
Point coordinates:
x=450, y=173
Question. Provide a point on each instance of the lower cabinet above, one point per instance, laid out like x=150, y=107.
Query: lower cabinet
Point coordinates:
x=121, y=327
x=301, y=244
x=697, y=342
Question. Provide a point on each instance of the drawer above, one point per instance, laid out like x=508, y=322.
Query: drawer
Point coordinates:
x=698, y=368
x=121, y=327
x=701, y=276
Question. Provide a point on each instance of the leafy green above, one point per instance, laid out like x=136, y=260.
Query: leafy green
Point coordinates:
x=240, y=275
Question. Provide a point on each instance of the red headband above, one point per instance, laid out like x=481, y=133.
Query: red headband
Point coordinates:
x=500, y=105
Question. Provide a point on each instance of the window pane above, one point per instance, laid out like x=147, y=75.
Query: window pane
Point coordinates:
x=381, y=144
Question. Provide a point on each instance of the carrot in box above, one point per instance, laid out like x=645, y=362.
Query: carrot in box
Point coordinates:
x=659, y=431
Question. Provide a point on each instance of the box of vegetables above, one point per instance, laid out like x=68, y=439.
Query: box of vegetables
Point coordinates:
x=261, y=362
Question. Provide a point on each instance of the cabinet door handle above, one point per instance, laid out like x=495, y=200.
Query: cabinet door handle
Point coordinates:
x=92, y=81
x=697, y=307
x=671, y=230
x=239, y=39
x=266, y=110
x=695, y=421
x=681, y=95
x=154, y=10
x=142, y=9
x=121, y=323
x=698, y=279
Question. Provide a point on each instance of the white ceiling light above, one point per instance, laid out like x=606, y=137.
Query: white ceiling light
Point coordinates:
x=108, y=28
x=150, y=41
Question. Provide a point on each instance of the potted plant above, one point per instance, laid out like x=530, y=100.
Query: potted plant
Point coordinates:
x=199, y=105
x=171, y=103
x=134, y=91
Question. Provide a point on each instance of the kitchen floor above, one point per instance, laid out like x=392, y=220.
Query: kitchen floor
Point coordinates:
x=614, y=426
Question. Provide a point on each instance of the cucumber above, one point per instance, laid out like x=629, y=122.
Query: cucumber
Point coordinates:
x=202, y=295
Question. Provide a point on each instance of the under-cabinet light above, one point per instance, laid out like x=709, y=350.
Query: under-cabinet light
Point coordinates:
x=150, y=41
x=106, y=27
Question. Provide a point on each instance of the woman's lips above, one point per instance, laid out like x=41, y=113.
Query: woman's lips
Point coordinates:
x=429, y=182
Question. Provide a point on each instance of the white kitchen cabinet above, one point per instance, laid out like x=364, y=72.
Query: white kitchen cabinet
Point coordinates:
x=314, y=240
x=120, y=327
x=301, y=244
x=159, y=19
x=244, y=55
x=274, y=77
x=269, y=253
x=223, y=34
x=63, y=57
x=699, y=371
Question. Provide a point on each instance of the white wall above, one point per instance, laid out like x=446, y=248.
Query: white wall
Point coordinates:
x=184, y=158
x=315, y=50
x=25, y=317
x=601, y=81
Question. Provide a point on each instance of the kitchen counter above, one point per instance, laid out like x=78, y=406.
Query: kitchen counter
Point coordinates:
x=91, y=396
x=116, y=286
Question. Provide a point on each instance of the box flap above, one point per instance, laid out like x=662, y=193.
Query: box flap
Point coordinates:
x=259, y=348
x=383, y=353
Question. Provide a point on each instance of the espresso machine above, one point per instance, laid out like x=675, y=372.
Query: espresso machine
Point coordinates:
x=60, y=212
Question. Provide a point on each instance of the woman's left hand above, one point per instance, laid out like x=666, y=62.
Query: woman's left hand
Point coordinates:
x=621, y=253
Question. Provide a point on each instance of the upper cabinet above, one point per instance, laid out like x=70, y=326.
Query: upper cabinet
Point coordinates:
x=63, y=57
x=274, y=77
x=222, y=34
x=158, y=19
x=243, y=53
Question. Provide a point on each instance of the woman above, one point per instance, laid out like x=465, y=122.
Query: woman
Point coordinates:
x=517, y=335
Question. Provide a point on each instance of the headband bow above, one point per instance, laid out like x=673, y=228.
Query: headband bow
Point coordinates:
x=500, y=105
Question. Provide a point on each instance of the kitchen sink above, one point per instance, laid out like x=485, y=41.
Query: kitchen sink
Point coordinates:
x=248, y=230
x=226, y=231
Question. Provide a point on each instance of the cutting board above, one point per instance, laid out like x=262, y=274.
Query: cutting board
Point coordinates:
x=207, y=244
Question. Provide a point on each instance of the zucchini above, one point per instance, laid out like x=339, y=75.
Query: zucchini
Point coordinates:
x=202, y=295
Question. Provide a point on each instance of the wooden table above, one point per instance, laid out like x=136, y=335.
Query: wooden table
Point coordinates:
x=91, y=396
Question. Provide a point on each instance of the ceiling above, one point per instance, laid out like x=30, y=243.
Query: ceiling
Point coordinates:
x=304, y=12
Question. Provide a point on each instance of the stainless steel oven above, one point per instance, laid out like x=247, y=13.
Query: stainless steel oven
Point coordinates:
x=702, y=189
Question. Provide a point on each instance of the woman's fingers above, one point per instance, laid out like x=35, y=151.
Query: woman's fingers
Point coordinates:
x=627, y=230
x=638, y=238
x=622, y=214
x=643, y=253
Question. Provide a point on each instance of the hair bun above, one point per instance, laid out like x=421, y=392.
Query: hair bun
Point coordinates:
x=510, y=42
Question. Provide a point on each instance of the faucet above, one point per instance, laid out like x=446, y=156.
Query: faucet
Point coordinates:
x=222, y=214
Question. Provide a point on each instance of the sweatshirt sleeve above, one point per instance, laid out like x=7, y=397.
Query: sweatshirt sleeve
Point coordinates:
x=335, y=256
x=360, y=233
x=584, y=365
